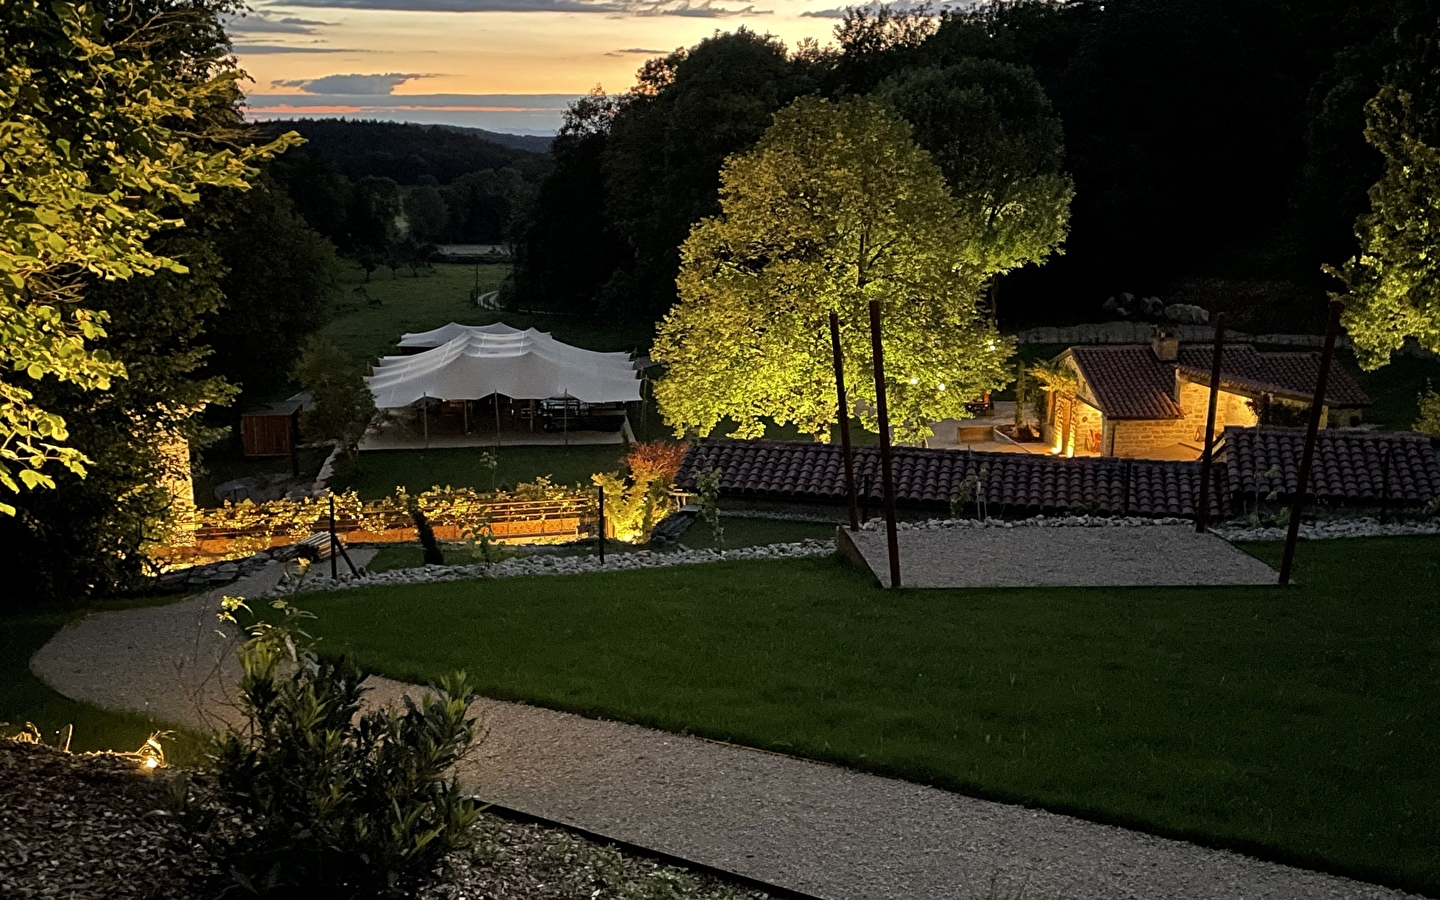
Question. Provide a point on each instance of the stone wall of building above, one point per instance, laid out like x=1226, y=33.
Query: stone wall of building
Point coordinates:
x=1139, y=438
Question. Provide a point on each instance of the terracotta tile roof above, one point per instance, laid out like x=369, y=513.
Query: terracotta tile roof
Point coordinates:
x=1129, y=382
x=1349, y=465
x=1285, y=372
x=1298, y=371
x=1017, y=483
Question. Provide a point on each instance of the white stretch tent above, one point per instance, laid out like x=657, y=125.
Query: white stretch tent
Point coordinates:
x=429, y=340
x=478, y=361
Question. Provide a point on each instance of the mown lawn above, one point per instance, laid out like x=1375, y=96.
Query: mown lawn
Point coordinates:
x=1301, y=724
x=26, y=699
x=369, y=317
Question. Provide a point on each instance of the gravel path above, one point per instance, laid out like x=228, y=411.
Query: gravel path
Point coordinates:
x=818, y=829
x=172, y=662
x=835, y=833
x=1156, y=555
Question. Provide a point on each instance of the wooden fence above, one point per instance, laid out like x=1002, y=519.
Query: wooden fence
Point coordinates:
x=240, y=529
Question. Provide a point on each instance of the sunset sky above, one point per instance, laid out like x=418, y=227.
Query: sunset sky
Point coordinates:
x=506, y=65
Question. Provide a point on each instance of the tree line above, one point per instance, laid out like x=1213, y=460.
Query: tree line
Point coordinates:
x=1212, y=145
x=384, y=192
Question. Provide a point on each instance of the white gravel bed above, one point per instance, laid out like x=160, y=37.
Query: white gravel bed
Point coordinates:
x=1333, y=529
x=1166, y=555
x=522, y=566
x=1033, y=522
x=1329, y=529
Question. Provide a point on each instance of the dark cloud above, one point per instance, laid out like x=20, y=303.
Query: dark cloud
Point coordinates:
x=352, y=85
x=898, y=5
x=707, y=9
x=262, y=22
x=268, y=49
x=636, y=51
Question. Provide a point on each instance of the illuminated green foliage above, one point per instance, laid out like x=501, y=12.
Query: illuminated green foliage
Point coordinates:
x=99, y=149
x=1429, y=419
x=1393, y=285
x=835, y=207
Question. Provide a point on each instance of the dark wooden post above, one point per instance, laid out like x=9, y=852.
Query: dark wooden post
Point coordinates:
x=887, y=472
x=844, y=410
x=1307, y=459
x=602, y=526
x=295, y=443
x=1125, y=504
x=1202, y=504
x=334, y=553
x=1384, y=483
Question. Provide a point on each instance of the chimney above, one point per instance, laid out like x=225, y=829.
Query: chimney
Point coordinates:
x=1165, y=344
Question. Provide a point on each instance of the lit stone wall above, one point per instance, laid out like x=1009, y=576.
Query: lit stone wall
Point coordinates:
x=1140, y=438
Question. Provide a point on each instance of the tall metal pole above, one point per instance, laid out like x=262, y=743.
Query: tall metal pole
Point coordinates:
x=887, y=472
x=844, y=409
x=334, y=543
x=1307, y=459
x=1202, y=504
x=497, y=421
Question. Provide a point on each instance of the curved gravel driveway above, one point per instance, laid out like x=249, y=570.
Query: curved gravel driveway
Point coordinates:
x=814, y=828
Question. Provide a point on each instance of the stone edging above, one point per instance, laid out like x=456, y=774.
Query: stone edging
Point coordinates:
x=1330, y=530
x=519, y=567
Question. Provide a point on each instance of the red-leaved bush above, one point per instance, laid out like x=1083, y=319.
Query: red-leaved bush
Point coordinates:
x=655, y=460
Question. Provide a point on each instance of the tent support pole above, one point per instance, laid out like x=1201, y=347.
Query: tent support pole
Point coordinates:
x=497, y=421
x=466, y=414
x=425, y=418
x=532, y=415
x=565, y=420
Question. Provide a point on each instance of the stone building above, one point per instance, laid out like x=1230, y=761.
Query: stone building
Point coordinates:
x=1151, y=401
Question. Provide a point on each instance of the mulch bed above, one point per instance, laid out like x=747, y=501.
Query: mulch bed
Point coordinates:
x=83, y=826
x=93, y=826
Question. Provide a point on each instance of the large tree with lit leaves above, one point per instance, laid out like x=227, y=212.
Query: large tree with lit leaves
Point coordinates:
x=1393, y=285
x=103, y=141
x=836, y=206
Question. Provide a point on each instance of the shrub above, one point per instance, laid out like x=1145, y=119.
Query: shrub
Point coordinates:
x=655, y=459
x=635, y=505
x=707, y=482
x=426, y=534
x=1429, y=420
x=316, y=799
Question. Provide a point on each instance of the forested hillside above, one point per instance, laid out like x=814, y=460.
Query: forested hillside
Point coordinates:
x=383, y=191
x=408, y=153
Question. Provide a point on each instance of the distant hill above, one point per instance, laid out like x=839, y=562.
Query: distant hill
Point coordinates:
x=535, y=143
x=409, y=153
